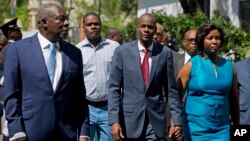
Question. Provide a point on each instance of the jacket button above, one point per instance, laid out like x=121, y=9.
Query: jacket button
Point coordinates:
x=53, y=113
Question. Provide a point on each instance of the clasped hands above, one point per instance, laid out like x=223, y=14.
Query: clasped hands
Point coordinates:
x=175, y=132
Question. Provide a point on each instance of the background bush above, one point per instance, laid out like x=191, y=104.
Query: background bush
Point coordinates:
x=236, y=39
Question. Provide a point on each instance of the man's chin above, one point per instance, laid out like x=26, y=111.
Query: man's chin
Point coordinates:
x=64, y=36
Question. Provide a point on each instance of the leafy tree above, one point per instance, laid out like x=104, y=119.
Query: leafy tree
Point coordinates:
x=21, y=11
x=236, y=39
x=114, y=13
x=192, y=6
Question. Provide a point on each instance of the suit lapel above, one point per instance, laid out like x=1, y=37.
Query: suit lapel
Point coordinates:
x=36, y=49
x=181, y=59
x=154, y=63
x=135, y=57
x=65, y=64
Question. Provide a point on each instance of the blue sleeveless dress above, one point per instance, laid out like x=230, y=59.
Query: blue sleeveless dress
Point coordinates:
x=206, y=110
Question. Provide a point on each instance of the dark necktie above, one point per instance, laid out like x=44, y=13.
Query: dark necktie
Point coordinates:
x=50, y=62
x=145, y=66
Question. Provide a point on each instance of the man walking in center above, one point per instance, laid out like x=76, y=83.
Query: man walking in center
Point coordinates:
x=140, y=69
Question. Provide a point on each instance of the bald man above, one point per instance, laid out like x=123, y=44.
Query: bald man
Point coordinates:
x=159, y=34
x=139, y=70
x=190, y=50
x=114, y=34
x=44, y=88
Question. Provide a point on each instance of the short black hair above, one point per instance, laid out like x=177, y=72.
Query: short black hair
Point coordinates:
x=91, y=14
x=203, y=31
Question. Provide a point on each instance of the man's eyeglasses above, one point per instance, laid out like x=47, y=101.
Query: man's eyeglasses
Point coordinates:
x=190, y=40
x=158, y=34
x=61, y=18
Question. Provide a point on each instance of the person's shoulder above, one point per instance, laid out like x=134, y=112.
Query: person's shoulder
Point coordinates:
x=28, y=39
x=128, y=45
x=242, y=62
x=82, y=43
x=24, y=42
x=69, y=46
x=196, y=57
x=111, y=42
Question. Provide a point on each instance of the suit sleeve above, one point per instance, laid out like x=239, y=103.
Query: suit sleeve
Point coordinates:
x=174, y=100
x=13, y=91
x=85, y=125
x=114, y=86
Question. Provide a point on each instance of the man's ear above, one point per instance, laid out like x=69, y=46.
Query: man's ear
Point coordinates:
x=44, y=21
x=9, y=33
x=183, y=43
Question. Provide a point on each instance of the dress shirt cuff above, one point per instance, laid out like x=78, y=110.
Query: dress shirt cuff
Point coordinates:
x=17, y=136
x=2, y=80
x=85, y=137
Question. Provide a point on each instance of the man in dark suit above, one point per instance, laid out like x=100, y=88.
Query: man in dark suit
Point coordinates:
x=3, y=43
x=140, y=69
x=243, y=73
x=190, y=50
x=44, y=89
x=12, y=33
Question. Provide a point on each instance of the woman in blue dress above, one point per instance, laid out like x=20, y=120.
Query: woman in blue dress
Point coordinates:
x=210, y=85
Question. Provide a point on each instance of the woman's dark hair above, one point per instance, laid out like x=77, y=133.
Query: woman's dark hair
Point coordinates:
x=203, y=31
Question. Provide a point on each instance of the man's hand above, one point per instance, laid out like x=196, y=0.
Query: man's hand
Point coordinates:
x=116, y=132
x=175, y=131
x=83, y=139
x=21, y=139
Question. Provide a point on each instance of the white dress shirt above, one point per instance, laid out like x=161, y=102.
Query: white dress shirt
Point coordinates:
x=187, y=57
x=44, y=43
x=142, y=54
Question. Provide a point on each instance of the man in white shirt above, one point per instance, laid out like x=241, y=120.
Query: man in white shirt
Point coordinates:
x=190, y=50
x=97, y=55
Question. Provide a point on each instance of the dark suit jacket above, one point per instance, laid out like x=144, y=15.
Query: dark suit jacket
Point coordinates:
x=2, y=68
x=243, y=73
x=31, y=104
x=129, y=106
x=179, y=60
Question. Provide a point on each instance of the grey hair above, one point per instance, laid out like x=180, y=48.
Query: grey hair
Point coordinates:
x=45, y=9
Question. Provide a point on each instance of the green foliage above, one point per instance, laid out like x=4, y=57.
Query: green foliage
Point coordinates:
x=129, y=31
x=176, y=26
x=236, y=39
x=114, y=13
x=21, y=11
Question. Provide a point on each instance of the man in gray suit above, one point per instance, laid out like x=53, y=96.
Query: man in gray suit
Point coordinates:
x=243, y=73
x=139, y=70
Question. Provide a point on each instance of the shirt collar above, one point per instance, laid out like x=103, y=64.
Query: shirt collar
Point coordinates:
x=86, y=42
x=45, y=42
x=141, y=48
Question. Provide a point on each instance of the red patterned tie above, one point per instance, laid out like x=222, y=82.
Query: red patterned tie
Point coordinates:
x=145, y=66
